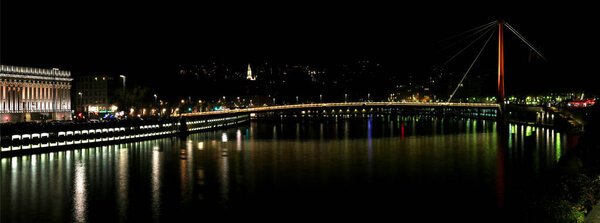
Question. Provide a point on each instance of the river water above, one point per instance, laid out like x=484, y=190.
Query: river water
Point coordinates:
x=378, y=167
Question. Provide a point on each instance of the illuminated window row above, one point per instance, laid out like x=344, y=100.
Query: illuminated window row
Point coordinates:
x=214, y=126
x=87, y=140
x=149, y=126
x=94, y=135
x=195, y=122
x=215, y=120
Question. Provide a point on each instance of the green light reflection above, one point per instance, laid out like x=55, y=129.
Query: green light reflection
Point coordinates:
x=558, y=146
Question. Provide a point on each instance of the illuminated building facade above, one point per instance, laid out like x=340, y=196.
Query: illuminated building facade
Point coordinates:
x=34, y=94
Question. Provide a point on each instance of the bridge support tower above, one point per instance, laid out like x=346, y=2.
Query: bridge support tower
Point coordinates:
x=501, y=69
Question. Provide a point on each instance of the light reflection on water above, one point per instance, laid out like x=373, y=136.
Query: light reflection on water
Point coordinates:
x=123, y=184
x=305, y=165
x=80, y=193
x=156, y=182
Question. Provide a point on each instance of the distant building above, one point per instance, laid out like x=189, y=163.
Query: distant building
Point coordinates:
x=34, y=94
x=249, y=76
x=94, y=93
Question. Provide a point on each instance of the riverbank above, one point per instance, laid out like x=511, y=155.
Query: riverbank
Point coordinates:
x=571, y=192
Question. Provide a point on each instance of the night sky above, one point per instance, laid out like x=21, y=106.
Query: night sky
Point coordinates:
x=148, y=40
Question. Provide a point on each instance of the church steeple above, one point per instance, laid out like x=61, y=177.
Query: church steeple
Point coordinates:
x=249, y=76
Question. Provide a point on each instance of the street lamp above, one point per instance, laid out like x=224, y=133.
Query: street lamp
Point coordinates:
x=273, y=101
x=123, y=76
x=296, y=99
x=155, y=97
x=368, y=96
x=320, y=98
x=80, y=100
x=123, y=90
x=345, y=97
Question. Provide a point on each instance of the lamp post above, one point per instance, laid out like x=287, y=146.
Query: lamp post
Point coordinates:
x=80, y=100
x=368, y=96
x=296, y=99
x=345, y=97
x=123, y=91
x=320, y=98
x=155, y=102
x=123, y=76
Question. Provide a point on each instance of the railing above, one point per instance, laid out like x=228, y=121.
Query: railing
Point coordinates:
x=346, y=104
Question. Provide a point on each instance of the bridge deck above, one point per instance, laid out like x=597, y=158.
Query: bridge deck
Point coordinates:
x=350, y=104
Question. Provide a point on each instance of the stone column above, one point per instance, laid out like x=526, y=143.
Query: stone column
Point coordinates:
x=38, y=105
x=10, y=100
x=21, y=96
x=44, y=96
x=68, y=96
x=2, y=96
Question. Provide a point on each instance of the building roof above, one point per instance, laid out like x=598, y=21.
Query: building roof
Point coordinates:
x=55, y=72
x=17, y=72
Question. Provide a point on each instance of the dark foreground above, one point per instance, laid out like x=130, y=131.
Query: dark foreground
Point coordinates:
x=386, y=167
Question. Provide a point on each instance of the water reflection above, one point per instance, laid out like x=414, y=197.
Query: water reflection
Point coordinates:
x=339, y=165
x=224, y=178
x=79, y=193
x=238, y=139
x=156, y=182
x=370, y=146
x=123, y=184
x=186, y=171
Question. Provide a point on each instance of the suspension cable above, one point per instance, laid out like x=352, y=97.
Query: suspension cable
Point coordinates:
x=459, y=52
x=514, y=31
x=471, y=66
x=470, y=30
x=478, y=30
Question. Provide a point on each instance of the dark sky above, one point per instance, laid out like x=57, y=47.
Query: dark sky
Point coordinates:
x=148, y=40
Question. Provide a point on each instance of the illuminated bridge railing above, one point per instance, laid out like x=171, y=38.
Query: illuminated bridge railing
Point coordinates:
x=349, y=104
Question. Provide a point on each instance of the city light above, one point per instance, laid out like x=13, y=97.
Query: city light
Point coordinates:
x=93, y=108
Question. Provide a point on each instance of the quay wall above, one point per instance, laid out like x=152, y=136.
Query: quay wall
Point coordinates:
x=24, y=138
